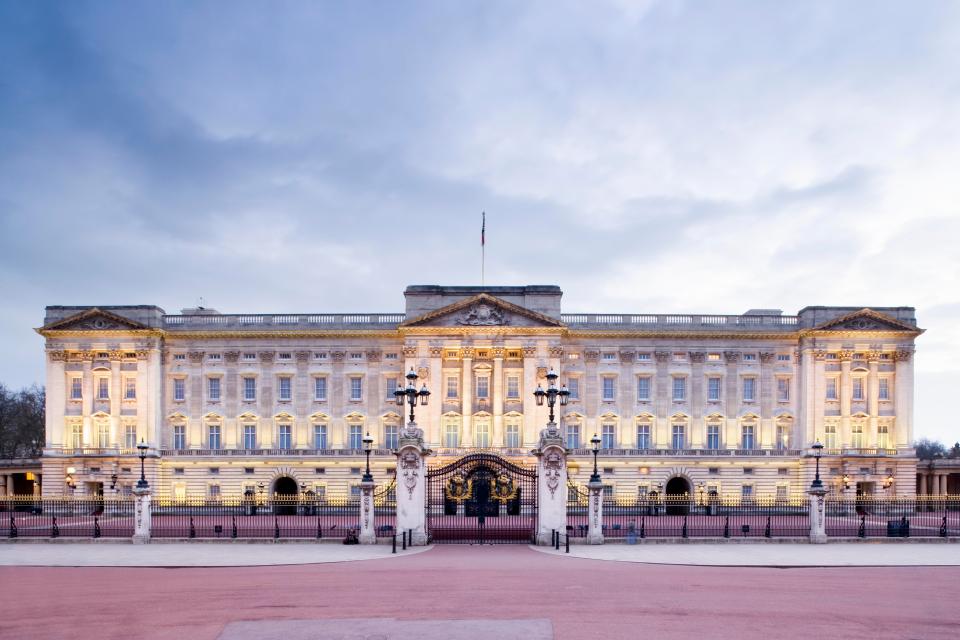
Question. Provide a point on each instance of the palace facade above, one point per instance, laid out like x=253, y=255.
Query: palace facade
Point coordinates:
x=280, y=403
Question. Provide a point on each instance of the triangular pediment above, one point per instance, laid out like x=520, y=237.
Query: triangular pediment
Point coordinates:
x=95, y=319
x=483, y=310
x=866, y=320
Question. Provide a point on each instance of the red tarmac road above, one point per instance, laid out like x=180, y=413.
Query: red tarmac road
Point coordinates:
x=582, y=598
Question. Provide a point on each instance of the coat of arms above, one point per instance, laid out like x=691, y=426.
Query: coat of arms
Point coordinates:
x=482, y=314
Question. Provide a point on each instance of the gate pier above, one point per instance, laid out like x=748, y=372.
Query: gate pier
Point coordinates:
x=411, y=484
x=551, y=484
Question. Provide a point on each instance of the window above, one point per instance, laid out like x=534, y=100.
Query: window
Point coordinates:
x=483, y=387
x=713, y=436
x=249, y=356
x=356, y=355
x=857, y=393
x=643, y=436
x=609, y=356
x=130, y=436
x=451, y=435
x=482, y=435
x=213, y=389
x=643, y=357
x=713, y=389
x=249, y=436
x=643, y=389
x=679, y=356
x=319, y=436
x=130, y=388
x=179, y=437
x=746, y=492
x=452, y=387
x=320, y=355
x=77, y=436
x=250, y=389
x=783, y=389
x=749, y=357
x=284, y=441
x=179, y=356
x=214, y=356
x=783, y=437
x=285, y=391
x=213, y=436
x=749, y=389
x=356, y=436
x=746, y=436
x=573, y=436
x=678, y=440
x=513, y=387
x=103, y=435
x=391, y=436
x=391, y=386
x=679, y=388
x=884, y=390
x=782, y=492
x=391, y=356
x=103, y=388
x=284, y=355
x=179, y=389
x=573, y=386
x=356, y=389
x=883, y=436
x=608, y=436
x=213, y=491
x=856, y=436
x=713, y=357
x=609, y=392
x=320, y=389
x=783, y=357
x=831, y=393
x=513, y=436
x=76, y=388
x=830, y=436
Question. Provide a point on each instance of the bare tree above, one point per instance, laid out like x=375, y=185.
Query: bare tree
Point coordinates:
x=22, y=418
x=929, y=449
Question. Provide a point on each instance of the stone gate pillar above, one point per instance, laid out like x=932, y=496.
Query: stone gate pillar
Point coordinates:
x=141, y=514
x=595, y=527
x=412, y=484
x=551, y=484
x=818, y=529
x=367, y=533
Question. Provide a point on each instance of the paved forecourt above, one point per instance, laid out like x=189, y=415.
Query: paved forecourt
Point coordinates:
x=189, y=554
x=772, y=554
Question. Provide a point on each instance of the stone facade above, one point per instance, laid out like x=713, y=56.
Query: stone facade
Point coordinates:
x=726, y=403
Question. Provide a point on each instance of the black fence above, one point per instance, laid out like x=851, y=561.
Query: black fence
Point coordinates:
x=92, y=517
x=385, y=510
x=869, y=517
x=244, y=517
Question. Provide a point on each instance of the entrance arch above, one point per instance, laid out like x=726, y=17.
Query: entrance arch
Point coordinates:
x=285, y=493
x=677, y=493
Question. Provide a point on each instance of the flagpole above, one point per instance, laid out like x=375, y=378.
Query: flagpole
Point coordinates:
x=483, y=250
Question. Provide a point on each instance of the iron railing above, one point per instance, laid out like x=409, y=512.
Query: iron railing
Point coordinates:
x=385, y=509
x=88, y=517
x=256, y=517
x=904, y=517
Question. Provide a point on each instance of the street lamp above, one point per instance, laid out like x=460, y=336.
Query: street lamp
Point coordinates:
x=817, y=452
x=411, y=395
x=551, y=393
x=142, y=452
x=367, y=447
x=595, y=441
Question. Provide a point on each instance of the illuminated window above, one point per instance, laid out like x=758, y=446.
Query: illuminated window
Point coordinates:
x=103, y=435
x=77, y=436
x=481, y=436
x=830, y=436
x=856, y=436
x=513, y=436
x=783, y=437
x=883, y=436
x=451, y=435
x=130, y=436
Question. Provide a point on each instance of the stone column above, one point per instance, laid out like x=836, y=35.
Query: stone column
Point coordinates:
x=818, y=529
x=845, y=395
x=731, y=400
x=697, y=400
x=768, y=389
x=87, y=401
x=466, y=393
x=923, y=483
x=662, y=395
x=56, y=399
x=819, y=397
x=3, y=485
x=590, y=391
x=551, y=484
x=412, y=483
x=935, y=484
x=497, y=439
x=367, y=533
x=336, y=438
x=595, y=526
x=438, y=384
x=873, y=397
x=142, y=514
x=903, y=394
x=116, y=393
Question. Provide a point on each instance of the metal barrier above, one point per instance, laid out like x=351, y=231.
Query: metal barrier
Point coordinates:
x=385, y=510
x=877, y=517
x=87, y=517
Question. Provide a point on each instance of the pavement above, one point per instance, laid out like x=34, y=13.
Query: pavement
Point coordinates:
x=212, y=554
x=461, y=592
x=866, y=554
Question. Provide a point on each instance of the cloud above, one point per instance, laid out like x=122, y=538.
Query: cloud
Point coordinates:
x=657, y=156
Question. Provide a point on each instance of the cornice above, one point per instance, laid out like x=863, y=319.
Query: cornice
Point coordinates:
x=99, y=333
x=859, y=333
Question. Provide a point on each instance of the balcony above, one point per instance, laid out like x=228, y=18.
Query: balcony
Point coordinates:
x=265, y=453
x=709, y=453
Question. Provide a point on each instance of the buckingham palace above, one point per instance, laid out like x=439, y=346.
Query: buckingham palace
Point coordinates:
x=680, y=403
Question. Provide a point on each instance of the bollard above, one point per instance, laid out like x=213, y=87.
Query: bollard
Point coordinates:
x=568, y=543
x=553, y=537
x=404, y=540
x=557, y=546
x=394, y=543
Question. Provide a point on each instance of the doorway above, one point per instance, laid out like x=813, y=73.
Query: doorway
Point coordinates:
x=285, y=494
x=677, y=496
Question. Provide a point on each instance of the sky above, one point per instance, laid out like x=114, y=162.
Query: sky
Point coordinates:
x=648, y=157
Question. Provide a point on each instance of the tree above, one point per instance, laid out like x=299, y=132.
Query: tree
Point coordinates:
x=954, y=451
x=929, y=449
x=22, y=419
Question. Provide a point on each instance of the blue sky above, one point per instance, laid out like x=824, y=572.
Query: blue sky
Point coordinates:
x=647, y=157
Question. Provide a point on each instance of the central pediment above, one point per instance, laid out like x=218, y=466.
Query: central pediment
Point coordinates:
x=482, y=310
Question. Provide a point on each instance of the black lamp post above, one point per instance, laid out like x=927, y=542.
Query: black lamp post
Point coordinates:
x=595, y=441
x=817, y=452
x=367, y=447
x=411, y=395
x=551, y=393
x=142, y=452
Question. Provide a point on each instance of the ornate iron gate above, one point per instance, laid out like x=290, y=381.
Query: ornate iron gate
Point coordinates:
x=481, y=499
